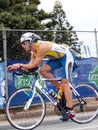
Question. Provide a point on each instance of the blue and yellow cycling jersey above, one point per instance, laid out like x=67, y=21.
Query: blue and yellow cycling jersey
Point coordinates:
x=51, y=54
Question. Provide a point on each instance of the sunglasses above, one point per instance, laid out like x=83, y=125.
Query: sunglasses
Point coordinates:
x=23, y=43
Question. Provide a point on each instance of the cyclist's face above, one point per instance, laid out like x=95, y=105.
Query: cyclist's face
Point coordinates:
x=26, y=45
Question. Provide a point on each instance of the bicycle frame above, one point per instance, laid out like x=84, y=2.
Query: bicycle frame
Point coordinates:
x=43, y=89
x=81, y=100
x=36, y=86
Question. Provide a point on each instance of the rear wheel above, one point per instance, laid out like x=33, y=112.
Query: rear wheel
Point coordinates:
x=25, y=119
x=86, y=106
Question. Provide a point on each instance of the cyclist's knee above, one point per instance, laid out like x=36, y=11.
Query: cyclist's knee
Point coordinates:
x=65, y=82
x=44, y=69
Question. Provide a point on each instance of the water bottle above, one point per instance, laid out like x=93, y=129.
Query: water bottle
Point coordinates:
x=52, y=93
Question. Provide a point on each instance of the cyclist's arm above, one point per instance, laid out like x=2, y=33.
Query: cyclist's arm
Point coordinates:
x=18, y=65
x=35, y=61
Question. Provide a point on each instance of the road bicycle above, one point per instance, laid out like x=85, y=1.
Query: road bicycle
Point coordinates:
x=30, y=112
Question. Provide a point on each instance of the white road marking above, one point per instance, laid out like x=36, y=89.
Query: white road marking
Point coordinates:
x=84, y=128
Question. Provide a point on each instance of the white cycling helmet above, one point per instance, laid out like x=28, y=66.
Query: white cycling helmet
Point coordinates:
x=31, y=37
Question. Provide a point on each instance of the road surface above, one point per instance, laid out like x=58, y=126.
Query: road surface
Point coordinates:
x=53, y=123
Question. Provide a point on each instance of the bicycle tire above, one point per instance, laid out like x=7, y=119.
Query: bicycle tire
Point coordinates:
x=25, y=119
x=85, y=113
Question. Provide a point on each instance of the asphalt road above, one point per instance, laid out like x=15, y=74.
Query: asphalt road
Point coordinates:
x=53, y=123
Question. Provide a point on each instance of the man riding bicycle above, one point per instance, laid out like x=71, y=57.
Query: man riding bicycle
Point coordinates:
x=58, y=55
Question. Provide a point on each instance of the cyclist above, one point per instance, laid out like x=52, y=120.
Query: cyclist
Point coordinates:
x=59, y=56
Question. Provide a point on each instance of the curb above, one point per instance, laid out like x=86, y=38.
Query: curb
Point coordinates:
x=49, y=111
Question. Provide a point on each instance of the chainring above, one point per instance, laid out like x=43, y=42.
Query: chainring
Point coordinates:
x=59, y=111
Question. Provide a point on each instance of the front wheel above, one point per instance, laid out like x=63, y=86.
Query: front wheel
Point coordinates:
x=85, y=104
x=25, y=119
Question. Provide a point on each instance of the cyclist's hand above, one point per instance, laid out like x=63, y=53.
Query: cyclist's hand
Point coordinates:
x=13, y=67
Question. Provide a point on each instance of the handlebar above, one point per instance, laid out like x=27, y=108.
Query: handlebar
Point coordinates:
x=27, y=72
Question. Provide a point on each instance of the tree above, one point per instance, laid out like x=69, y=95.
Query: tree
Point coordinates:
x=63, y=31
x=20, y=14
x=17, y=14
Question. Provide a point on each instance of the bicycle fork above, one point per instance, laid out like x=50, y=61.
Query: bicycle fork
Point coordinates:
x=31, y=96
x=29, y=101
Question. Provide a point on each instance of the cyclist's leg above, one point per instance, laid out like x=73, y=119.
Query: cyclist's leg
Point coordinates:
x=67, y=64
x=46, y=70
x=67, y=92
